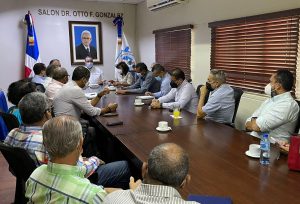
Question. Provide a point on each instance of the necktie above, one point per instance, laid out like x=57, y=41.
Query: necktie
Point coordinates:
x=88, y=50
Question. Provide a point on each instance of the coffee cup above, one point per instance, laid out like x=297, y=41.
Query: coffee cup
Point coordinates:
x=163, y=125
x=254, y=149
x=138, y=101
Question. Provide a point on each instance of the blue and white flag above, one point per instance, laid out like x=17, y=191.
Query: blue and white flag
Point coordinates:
x=123, y=51
x=32, y=54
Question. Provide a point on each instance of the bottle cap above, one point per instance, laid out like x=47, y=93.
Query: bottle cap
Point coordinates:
x=266, y=136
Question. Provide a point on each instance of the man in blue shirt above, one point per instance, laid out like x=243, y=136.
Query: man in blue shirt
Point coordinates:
x=220, y=105
x=145, y=82
x=160, y=74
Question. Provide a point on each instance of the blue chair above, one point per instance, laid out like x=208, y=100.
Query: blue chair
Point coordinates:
x=3, y=108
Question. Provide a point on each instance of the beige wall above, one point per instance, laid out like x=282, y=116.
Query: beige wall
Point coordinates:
x=199, y=13
x=53, y=33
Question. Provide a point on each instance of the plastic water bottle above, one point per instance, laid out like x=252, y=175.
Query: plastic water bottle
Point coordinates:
x=265, y=150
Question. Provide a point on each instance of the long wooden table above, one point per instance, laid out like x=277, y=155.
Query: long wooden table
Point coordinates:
x=218, y=164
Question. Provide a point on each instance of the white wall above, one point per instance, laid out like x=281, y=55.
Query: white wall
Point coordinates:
x=199, y=13
x=53, y=34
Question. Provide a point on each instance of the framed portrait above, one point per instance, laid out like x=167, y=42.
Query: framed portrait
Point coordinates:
x=85, y=40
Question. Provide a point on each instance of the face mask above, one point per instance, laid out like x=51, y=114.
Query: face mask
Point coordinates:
x=269, y=91
x=89, y=65
x=208, y=86
x=120, y=71
x=138, y=75
x=158, y=78
x=173, y=84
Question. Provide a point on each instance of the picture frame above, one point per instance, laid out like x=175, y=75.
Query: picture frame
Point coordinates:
x=85, y=40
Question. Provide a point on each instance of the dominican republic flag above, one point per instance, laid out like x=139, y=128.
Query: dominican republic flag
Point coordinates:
x=123, y=51
x=32, y=55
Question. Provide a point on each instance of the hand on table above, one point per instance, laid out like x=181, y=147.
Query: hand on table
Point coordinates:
x=155, y=103
x=121, y=92
x=148, y=93
x=113, y=106
x=103, y=92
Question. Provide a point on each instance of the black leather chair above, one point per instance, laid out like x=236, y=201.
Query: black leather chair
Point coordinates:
x=298, y=123
x=238, y=92
x=198, y=93
x=10, y=120
x=21, y=166
x=40, y=88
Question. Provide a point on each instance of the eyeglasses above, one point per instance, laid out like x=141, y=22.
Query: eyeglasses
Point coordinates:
x=86, y=38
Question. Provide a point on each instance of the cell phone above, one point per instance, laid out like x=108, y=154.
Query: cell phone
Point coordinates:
x=110, y=114
x=114, y=123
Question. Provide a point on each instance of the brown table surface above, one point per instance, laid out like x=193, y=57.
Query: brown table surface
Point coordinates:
x=218, y=164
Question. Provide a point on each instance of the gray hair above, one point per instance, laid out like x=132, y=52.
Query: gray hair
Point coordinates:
x=33, y=107
x=86, y=32
x=169, y=164
x=61, y=136
x=219, y=75
x=59, y=73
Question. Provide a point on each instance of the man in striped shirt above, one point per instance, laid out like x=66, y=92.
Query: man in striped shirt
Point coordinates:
x=62, y=180
x=164, y=173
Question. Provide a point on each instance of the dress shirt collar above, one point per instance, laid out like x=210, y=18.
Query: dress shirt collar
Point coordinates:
x=157, y=191
x=25, y=128
x=57, y=82
x=86, y=47
x=281, y=96
x=222, y=85
x=182, y=84
x=64, y=169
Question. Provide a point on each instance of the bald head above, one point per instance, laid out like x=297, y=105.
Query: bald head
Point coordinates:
x=60, y=74
x=169, y=164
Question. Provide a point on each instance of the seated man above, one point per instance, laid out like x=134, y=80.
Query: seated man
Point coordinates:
x=278, y=115
x=40, y=73
x=145, y=82
x=96, y=76
x=59, y=78
x=15, y=93
x=182, y=94
x=164, y=77
x=49, y=72
x=35, y=112
x=70, y=100
x=61, y=180
x=220, y=105
x=165, y=172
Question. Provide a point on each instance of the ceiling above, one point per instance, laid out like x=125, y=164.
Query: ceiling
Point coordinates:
x=119, y=1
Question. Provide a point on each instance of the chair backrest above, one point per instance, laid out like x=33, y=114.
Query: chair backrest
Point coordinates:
x=10, y=120
x=298, y=123
x=238, y=92
x=19, y=161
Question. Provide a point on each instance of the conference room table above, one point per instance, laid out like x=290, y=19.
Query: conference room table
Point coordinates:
x=218, y=164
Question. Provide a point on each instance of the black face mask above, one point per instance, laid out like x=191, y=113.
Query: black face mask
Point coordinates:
x=173, y=84
x=208, y=86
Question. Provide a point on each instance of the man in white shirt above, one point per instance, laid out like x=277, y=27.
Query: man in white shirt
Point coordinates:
x=164, y=77
x=278, y=115
x=59, y=78
x=182, y=94
x=70, y=100
x=96, y=76
x=165, y=172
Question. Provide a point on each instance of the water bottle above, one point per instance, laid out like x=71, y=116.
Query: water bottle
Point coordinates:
x=265, y=150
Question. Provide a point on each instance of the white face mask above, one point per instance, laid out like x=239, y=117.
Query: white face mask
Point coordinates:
x=89, y=65
x=268, y=89
x=119, y=71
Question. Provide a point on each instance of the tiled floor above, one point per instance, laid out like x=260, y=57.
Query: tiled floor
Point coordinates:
x=7, y=183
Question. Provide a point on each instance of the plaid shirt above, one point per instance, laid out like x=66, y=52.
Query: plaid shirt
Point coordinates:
x=60, y=183
x=30, y=138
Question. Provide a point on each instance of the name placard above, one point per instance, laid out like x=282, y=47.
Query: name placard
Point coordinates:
x=78, y=13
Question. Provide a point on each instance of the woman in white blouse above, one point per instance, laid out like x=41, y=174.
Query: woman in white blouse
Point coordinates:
x=126, y=78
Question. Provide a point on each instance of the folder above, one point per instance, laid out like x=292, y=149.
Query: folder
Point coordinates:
x=203, y=199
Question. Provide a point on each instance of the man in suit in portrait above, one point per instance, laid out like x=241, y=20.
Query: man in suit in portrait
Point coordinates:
x=85, y=48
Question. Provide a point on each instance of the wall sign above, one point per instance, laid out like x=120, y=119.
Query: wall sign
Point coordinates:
x=77, y=13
